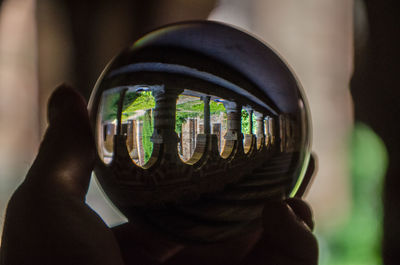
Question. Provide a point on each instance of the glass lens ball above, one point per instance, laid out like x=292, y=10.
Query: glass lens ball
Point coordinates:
x=197, y=125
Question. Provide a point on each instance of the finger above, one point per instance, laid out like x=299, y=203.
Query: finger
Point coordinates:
x=229, y=251
x=308, y=177
x=286, y=239
x=302, y=211
x=66, y=155
x=140, y=245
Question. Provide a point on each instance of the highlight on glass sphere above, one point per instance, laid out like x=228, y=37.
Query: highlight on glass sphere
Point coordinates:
x=197, y=125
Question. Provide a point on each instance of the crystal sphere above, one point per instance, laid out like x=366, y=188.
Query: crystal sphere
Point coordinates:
x=197, y=125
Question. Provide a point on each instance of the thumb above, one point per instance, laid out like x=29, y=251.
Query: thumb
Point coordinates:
x=66, y=155
x=287, y=239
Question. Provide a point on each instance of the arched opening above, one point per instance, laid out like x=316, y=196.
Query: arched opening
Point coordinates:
x=248, y=128
x=218, y=120
x=137, y=123
x=189, y=124
x=107, y=124
x=269, y=127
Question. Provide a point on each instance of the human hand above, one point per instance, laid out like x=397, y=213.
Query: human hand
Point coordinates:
x=285, y=239
x=48, y=221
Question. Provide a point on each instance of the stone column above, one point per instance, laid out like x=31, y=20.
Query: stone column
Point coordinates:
x=233, y=136
x=129, y=135
x=109, y=137
x=234, y=126
x=120, y=138
x=250, y=112
x=119, y=111
x=260, y=129
x=207, y=121
x=164, y=120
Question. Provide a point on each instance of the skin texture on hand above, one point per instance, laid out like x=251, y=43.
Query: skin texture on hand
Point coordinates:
x=48, y=221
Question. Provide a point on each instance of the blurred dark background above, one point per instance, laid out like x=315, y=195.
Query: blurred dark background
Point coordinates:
x=331, y=45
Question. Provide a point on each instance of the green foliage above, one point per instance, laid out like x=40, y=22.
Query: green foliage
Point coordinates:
x=255, y=126
x=147, y=133
x=216, y=107
x=130, y=97
x=245, y=122
x=137, y=101
x=132, y=102
x=180, y=119
x=187, y=110
x=194, y=109
x=110, y=106
x=358, y=240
